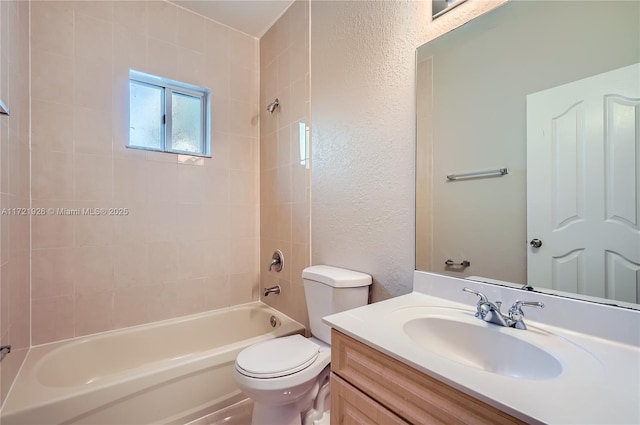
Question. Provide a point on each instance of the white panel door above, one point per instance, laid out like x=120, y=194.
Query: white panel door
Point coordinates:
x=583, y=186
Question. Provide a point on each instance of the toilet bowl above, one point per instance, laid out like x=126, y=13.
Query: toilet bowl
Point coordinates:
x=283, y=377
x=288, y=378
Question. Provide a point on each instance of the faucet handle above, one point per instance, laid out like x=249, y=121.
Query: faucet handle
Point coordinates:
x=483, y=298
x=516, y=314
x=482, y=307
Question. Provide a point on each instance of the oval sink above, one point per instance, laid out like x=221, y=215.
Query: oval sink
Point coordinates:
x=483, y=346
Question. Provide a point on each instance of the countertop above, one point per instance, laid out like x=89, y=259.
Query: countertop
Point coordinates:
x=600, y=378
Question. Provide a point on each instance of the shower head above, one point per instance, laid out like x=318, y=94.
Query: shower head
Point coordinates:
x=273, y=105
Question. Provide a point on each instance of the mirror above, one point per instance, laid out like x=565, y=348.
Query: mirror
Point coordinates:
x=478, y=91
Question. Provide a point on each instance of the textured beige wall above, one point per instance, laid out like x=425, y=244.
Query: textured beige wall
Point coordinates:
x=190, y=242
x=363, y=111
x=284, y=175
x=14, y=189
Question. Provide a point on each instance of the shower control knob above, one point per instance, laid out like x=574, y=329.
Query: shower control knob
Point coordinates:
x=536, y=243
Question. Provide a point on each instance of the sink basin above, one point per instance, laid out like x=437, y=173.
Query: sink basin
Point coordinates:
x=483, y=346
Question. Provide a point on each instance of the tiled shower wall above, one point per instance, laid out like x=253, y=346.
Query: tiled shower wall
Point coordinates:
x=14, y=188
x=190, y=242
x=284, y=160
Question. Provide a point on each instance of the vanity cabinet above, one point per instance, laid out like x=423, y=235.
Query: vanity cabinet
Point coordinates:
x=369, y=387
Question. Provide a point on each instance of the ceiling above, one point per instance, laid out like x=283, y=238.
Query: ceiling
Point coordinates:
x=252, y=17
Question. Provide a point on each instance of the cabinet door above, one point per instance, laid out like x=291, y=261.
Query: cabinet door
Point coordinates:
x=417, y=398
x=350, y=406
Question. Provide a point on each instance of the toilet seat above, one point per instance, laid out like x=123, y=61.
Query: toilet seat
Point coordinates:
x=277, y=357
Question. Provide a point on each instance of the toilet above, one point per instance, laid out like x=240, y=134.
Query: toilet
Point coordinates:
x=288, y=378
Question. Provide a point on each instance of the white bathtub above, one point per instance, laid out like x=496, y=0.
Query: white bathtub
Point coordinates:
x=167, y=372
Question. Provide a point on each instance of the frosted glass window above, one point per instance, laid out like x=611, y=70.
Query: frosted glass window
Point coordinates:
x=187, y=125
x=145, y=124
x=168, y=115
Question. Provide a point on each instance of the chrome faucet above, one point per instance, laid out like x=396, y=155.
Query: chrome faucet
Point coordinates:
x=516, y=314
x=277, y=260
x=273, y=290
x=490, y=312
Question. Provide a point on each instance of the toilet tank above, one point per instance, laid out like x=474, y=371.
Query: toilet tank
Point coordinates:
x=331, y=290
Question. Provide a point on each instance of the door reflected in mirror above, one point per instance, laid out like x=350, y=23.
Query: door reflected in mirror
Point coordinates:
x=548, y=90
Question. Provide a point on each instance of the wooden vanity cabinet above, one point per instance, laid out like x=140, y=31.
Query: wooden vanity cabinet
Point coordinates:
x=369, y=388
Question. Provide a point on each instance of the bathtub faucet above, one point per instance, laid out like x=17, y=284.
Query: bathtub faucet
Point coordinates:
x=273, y=290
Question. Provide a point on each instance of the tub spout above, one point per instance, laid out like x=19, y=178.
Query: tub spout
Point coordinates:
x=273, y=290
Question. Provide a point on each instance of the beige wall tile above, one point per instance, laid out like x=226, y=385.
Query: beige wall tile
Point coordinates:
x=93, y=37
x=219, y=121
x=242, y=50
x=284, y=184
x=218, y=223
x=194, y=296
x=195, y=187
x=92, y=84
x=284, y=146
x=191, y=260
x=218, y=185
x=131, y=265
x=162, y=21
x=53, y=230
x=242, y=220
x=191, y=31
x=93, y=269
x=92, y=177
x=162, y=181
x=52, y=77
x=130, y=180
x=91, y=228
x=217, y=40
x=52, y=272
x=241, y=119
x=4, y=158
x=15, y=170
x=131, y=15
x=129, y=49
x=217, y=75
x=241, y=85
x=194, y=223
x=132, y=226
x=242, y=288
x=163, y=222
x=93, y=312
x=144, y=304
x=162, y=58
x=92, y=130
x=241, y=254
x=128, y=269
x=217, y=257
x=53, y=126
x=52, y=17
x=95, y=9
x=191, y=67
x=284, y=207
x=54, y=176
x=243, y=187
x=163, y=262
x=52, y=318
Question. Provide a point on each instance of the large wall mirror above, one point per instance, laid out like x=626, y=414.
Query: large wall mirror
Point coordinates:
x=528, y=149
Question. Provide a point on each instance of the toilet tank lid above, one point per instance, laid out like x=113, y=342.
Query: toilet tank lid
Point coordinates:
x=336, y=277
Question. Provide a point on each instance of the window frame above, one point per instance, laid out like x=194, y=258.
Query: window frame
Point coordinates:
x=169, y=87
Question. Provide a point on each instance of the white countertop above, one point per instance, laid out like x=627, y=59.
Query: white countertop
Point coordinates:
x=600, y=379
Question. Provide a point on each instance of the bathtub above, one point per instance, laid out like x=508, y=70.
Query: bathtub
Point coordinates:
x=172, y=371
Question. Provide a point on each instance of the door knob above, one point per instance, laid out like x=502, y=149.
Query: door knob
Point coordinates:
x=536, y=243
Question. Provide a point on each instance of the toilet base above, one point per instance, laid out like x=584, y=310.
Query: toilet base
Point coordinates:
x=307, y=410
x=276, y=415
